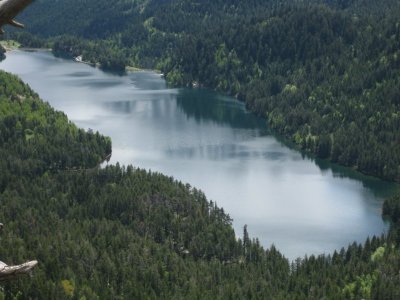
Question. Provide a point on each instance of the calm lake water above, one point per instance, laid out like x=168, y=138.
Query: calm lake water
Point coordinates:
x=301, y=205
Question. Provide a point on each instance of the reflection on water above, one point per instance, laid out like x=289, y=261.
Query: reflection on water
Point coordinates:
x=379, y=188
x=300, y=204
x=203, y=105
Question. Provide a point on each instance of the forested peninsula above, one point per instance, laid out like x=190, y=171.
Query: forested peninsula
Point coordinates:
x=324, y=73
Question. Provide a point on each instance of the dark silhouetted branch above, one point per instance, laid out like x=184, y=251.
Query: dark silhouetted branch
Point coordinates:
x=9, y=9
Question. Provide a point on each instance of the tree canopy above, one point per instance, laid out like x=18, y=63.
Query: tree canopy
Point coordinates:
x=324, y=73
x=125, y=233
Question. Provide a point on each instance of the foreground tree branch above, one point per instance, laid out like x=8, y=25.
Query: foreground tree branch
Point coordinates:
x=10, y=272
x=9, y=9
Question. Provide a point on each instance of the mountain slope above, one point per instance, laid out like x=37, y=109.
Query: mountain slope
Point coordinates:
x=325, y=74
x=124, y=233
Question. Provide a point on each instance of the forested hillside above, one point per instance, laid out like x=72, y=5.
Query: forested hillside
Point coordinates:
x=125, y=233
x=325, y=74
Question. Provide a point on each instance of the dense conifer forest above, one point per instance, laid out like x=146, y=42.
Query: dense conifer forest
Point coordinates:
x=125, y=233
x=325, y=74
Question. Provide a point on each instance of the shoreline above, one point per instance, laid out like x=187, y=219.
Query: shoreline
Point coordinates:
x=10, y=46
x=27, y=49
x=290, y=147
x=137, y=69
x=282, y=138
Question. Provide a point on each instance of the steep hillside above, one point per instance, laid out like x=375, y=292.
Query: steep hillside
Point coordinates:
x=325, y=74
x=124, y=233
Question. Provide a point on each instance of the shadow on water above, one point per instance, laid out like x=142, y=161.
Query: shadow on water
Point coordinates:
x=203, y=104
x=379, y=187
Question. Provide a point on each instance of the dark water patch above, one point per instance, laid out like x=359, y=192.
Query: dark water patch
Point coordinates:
x=80, y=74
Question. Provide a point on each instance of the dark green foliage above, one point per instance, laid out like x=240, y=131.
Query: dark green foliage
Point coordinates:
x=391, y=208
x=125, y=233
x=36, y=139
x=113, y=232
x=325, y=74
x=95, y=52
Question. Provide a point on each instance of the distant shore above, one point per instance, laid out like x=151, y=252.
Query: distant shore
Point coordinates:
x=10, y=45
x=34, y=49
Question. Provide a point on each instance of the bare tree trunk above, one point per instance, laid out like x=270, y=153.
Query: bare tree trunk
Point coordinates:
x=10, y=272
x=9, y=9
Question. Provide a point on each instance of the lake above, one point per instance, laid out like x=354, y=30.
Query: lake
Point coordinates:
x=302, y=205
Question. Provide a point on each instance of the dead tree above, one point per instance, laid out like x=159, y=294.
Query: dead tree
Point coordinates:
x=11, y=272
x=9, y=9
